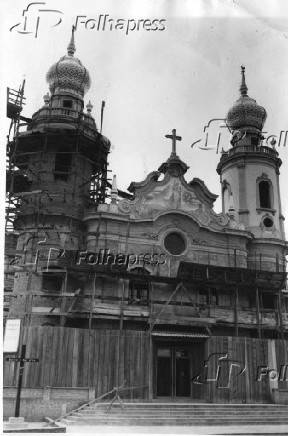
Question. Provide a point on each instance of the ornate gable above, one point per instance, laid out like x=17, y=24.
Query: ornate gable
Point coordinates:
x=174, y=195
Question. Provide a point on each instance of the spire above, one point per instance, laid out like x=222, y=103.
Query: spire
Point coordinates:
x=243, y=88
x=71, y=47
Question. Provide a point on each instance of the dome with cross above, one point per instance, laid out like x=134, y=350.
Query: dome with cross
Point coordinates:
x=246, y=115
x=68, y=74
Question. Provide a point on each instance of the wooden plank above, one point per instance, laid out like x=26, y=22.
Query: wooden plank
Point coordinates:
x=75, y=358
x=91, y=359
x=106, y=362
x=29, y=347
x=102, y=342
x=121, y=365
x=59, y=358
x=236, y=311
x=42, y=340
x=92, y=302
x=69, y=354
x=64, y=356
x=96, y=336
x=81, y=359
x=55, y=357
x=86, y=352
x=258, y=312
x=112, y=360
x=126, y=357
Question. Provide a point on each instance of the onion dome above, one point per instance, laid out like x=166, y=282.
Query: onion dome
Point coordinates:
x=68, y=74
x=246, y=115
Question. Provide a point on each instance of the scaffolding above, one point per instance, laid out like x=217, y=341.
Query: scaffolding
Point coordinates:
x=15, y=102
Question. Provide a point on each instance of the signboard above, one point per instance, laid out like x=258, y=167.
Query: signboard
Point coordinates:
x=12, y=336
x=19, y=359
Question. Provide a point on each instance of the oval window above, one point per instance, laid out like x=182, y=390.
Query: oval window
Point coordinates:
x=174, y=244
x=268, y=222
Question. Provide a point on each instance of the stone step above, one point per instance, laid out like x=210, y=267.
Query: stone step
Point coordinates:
x=178, y=422
x=147, y=414
x=218, y=409
x=184, y=414
x=187, y=417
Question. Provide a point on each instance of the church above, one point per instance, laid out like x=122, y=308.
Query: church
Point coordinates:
x=150, y=287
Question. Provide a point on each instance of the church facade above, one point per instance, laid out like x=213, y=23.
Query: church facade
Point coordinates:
x=151, y=287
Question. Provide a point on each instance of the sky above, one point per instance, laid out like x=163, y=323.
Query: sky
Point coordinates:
x=155, y=81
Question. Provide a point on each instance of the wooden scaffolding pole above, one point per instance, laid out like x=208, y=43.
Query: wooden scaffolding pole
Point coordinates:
x=236, y=310
x=280, y=315
x=258, y=312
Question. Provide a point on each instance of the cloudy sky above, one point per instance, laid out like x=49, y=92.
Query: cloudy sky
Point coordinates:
x=154, y=81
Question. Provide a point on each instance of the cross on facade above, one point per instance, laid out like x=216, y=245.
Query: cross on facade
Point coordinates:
x=174, y=138
x=22, y=360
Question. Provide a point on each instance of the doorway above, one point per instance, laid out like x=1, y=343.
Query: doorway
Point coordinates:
x=173, y=371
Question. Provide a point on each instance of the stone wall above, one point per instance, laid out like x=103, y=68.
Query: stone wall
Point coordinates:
x=38, y=403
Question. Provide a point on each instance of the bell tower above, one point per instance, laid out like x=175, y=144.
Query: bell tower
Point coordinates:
x=63, y=159
x=249, y=175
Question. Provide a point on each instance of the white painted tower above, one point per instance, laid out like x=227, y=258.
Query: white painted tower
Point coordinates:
x=249, y=175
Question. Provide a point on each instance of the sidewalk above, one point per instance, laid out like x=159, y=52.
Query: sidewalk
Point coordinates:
x=154, y=430
x=151, y=430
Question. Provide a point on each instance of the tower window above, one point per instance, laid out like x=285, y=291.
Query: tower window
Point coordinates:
x=264, y=194
x=68, y=104
x=268, y=301
x=139, y=288
x=62, y=166
x=254, y=140
x=52, y=283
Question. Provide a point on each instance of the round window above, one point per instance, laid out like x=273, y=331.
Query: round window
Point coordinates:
x=174, y=244
x=268, y=222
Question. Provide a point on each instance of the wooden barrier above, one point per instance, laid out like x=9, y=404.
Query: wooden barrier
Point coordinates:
x=102, y=359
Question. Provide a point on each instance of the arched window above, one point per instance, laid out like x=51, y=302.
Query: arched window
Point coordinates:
x=139, y=287
x=265, y=194
x=226, y=196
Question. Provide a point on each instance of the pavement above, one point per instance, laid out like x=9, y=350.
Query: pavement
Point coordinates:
x=82, y=430
x=151, y=430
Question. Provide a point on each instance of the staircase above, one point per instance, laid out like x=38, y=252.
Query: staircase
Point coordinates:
x=158, y=414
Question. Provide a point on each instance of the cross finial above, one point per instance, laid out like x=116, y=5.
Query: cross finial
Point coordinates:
x=71, y=47
x=243, y=86
x=174, y=138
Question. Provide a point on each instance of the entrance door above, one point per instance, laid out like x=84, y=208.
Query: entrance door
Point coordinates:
x=173, y=372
